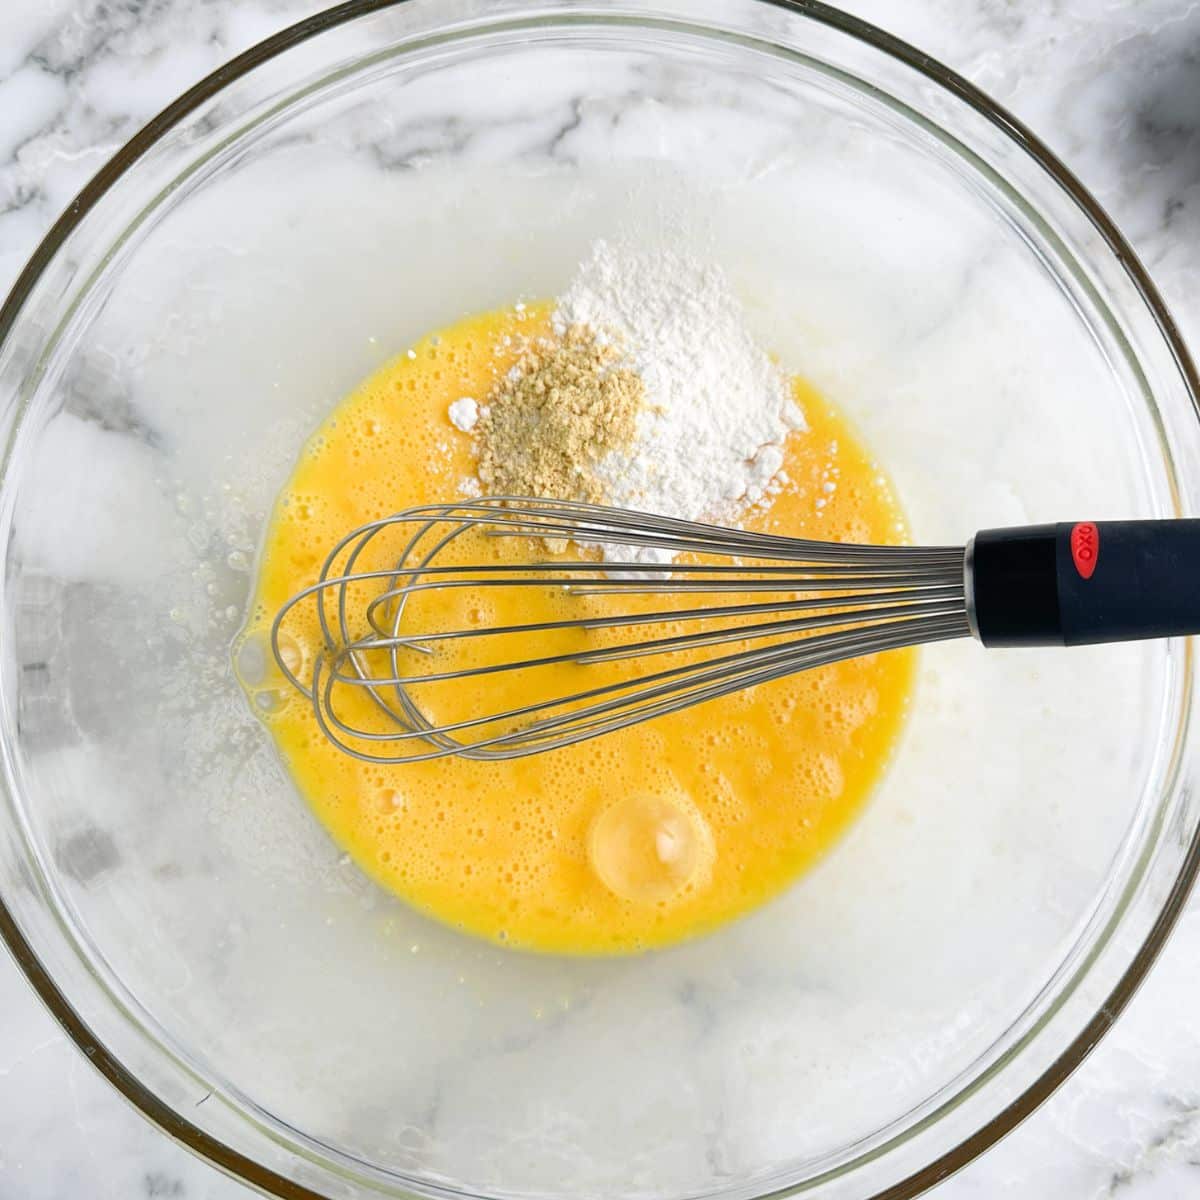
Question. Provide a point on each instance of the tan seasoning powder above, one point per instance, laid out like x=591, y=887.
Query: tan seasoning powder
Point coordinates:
x=565, y=404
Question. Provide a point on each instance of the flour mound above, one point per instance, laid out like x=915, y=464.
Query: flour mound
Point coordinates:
x=710, y=436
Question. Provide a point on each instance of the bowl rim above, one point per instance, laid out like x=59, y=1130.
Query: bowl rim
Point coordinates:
x=244, y=1169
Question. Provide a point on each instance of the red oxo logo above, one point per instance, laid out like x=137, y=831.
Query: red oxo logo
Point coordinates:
x=1085, y=548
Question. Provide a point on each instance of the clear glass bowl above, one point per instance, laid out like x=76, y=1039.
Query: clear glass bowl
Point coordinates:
x=302, y=215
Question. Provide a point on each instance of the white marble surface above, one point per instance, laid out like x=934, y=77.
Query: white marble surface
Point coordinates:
x=1113, y=85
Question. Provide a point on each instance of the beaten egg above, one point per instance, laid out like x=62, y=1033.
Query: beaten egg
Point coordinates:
x=635, y=840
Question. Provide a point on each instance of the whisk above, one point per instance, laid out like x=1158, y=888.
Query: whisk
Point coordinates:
x=654, y=615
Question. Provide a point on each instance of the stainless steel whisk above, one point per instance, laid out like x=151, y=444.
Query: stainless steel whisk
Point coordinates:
x=768, y=606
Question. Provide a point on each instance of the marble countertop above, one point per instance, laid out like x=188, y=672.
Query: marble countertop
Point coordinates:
x=1112, y=85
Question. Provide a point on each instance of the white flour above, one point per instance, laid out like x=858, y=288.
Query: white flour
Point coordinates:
x=464, y=413
x=710, y=441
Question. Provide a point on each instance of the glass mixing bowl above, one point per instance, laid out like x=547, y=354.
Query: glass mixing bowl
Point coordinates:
x=305, y=213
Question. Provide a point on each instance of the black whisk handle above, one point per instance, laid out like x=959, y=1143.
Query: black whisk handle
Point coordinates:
x=1076, y=584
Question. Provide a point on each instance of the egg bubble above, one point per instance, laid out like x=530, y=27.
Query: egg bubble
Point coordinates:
x=251, y=659
x=257, y=667
x=291, y=653
x=648, y=846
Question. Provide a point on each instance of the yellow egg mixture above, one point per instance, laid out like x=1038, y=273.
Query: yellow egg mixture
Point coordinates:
x=633, y=840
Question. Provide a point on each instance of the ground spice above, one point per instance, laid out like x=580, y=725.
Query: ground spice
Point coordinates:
x=566, y=403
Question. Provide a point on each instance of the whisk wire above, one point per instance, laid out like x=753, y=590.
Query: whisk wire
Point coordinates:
x=824, y=602
x=945, y=604
x=603, y=709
